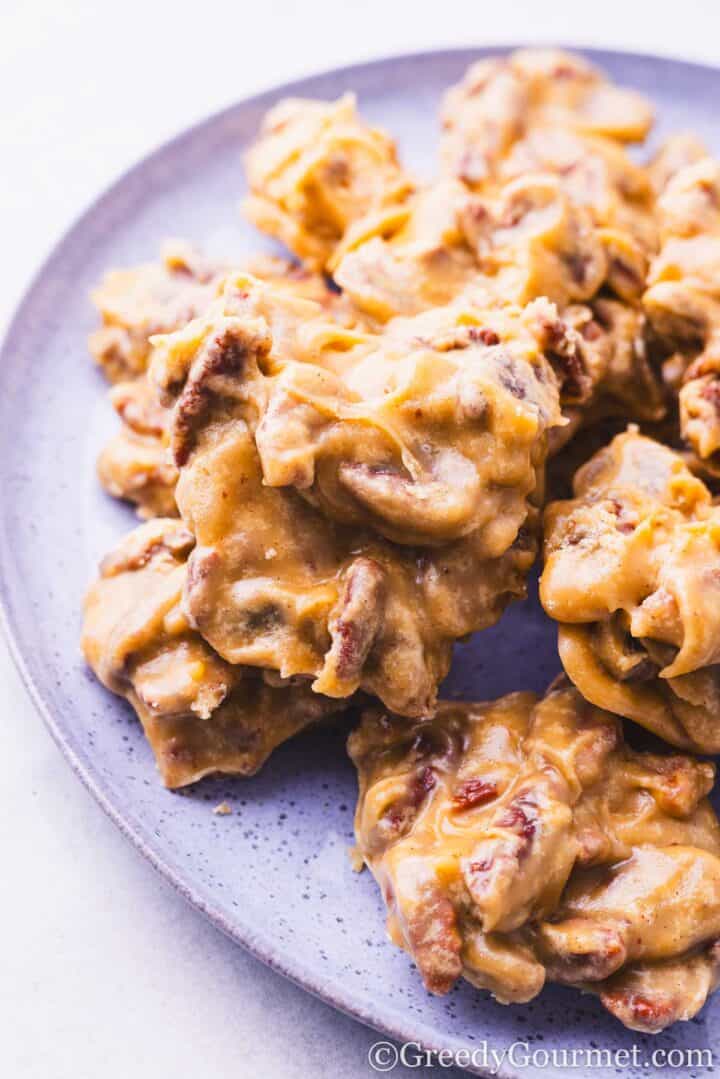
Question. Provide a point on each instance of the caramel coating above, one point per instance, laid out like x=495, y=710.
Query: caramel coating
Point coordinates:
x=501, y=99
x=160, y=297
x=315, y=170
x=539, y=135
x=330, y=187
x=359, y=500
x=632, y=574
x=404, y=258
x=529, y=240
x=151, y=298
x=400, y=250
x=675, y=153
x=564, y=216
x=136, y=465
x=558, y=209
x=200, y=714
x=548, y=114
x=683, y=297
x=521, y=840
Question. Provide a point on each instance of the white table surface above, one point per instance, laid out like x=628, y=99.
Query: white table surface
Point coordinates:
x=104, y=971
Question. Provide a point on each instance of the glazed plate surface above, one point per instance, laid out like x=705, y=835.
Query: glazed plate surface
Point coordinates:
x=275, y=875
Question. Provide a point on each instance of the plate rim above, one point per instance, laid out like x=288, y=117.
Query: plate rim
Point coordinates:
x=262, y=949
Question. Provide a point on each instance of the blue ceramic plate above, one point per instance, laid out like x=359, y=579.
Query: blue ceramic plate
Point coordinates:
x=275, y=875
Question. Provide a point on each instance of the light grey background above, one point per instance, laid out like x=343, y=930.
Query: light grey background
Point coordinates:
x=104, y=971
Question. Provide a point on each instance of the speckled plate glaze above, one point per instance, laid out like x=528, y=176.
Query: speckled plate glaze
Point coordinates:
x=275, y=876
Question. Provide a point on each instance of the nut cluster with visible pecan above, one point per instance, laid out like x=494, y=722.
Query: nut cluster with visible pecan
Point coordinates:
x=632, y=574
x=521, y=841
x=394, y=476
x=200, y=714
